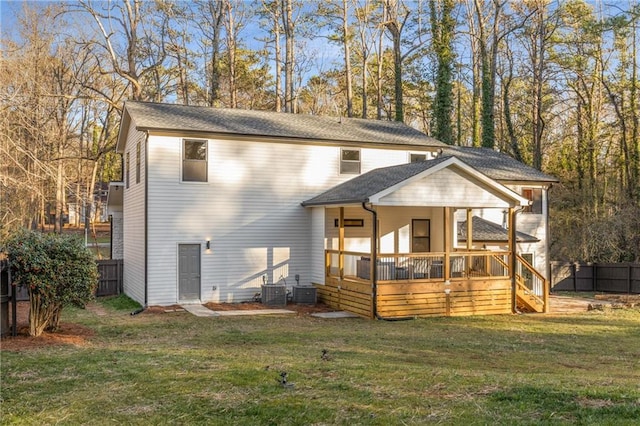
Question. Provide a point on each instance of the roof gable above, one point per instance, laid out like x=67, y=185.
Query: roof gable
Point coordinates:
x=377, y=185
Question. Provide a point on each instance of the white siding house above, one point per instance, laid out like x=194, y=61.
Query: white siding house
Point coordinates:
x=212, y=203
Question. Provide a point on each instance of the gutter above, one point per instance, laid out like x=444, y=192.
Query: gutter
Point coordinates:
x=374, y=262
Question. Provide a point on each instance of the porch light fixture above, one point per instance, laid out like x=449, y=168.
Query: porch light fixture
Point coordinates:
x=208, y=245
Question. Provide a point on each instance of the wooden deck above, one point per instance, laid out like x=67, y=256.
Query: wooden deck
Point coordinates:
x=475, y=284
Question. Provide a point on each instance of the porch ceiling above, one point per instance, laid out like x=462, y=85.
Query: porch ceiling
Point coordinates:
x=443, y=182
x=114, y=197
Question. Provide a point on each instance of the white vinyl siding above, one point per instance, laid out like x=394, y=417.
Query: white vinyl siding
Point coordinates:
x=133, y=226
x=249, y=209
x=436, y=190
x=317, y=245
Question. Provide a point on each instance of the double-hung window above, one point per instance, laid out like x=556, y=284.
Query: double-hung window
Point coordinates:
x=194, y=160
x=126, y=170
x=349, y=161
x=138, y=161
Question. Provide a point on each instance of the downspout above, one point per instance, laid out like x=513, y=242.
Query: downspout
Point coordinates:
x=374, y=262
x=374, y=259
x=146, y=218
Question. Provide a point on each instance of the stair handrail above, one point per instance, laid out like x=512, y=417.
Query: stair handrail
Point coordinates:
x=545, y=283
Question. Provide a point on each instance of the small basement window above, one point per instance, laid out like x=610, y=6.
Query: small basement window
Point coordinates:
x=194, y=161
x=349, y=161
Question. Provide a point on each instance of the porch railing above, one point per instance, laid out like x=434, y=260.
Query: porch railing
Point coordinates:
x=417, y=266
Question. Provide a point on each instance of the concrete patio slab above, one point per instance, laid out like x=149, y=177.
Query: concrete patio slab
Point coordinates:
x=337, y=314
x=253, y=312
x=200, y=311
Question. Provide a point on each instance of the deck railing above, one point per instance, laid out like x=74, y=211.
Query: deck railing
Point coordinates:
x=417, y=266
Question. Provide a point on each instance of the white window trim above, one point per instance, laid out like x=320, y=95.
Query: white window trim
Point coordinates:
x=340, y=160
x=193, y=182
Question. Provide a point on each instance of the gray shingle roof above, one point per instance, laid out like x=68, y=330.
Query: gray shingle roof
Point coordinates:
x=169, y=117
x=360, y=188
x=497, y=166
x=484, y=230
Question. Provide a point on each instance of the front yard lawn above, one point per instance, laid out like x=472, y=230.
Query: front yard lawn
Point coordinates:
x=174, y=368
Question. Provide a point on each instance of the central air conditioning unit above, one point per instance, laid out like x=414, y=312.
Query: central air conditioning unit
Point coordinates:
x=274, y=295
x=304, y=294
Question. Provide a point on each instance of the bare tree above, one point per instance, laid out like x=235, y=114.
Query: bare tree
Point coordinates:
x=141, y=54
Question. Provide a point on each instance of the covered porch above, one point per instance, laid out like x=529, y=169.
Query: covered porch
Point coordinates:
x=394, y=257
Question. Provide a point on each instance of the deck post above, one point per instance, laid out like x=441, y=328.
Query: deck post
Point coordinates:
x=448, y=234
x=512, y=257
x=469, y=229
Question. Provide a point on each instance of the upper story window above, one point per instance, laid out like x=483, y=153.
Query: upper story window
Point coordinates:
x=349, y=161
x=126, y=170
x=535, y=196
x=414, y=157
x=138, y=163
x=194, y=161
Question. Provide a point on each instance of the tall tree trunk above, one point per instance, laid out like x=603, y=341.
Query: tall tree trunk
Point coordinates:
x=379, y=68
x=59, y=193
x=231, y=53
x=347, y=57
x=442, y=29
x=288, y=27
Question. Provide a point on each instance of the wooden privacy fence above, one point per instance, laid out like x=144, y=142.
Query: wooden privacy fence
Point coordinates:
x=605, y=277
x=109, y=281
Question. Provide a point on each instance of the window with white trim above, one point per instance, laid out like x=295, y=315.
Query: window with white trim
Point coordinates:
x=126, y=170
x=138, y=163
x=535, y=196
x=194, y=160
x=349, y=161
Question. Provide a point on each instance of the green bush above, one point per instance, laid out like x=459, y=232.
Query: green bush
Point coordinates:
x=58, y=270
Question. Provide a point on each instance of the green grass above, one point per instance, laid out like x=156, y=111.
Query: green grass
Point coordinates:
x=119, y=303
x=178, y=369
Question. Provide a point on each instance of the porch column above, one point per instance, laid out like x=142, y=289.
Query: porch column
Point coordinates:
x=469, y=229
x=341, y=243
x=512, y=256
x=447, y=242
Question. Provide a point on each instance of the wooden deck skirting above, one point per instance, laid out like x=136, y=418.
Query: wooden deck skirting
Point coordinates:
x=402, y=299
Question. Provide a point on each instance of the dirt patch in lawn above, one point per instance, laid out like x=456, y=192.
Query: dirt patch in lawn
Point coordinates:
x=67, y=334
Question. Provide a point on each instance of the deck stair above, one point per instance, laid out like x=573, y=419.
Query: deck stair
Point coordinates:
x=531, y=288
